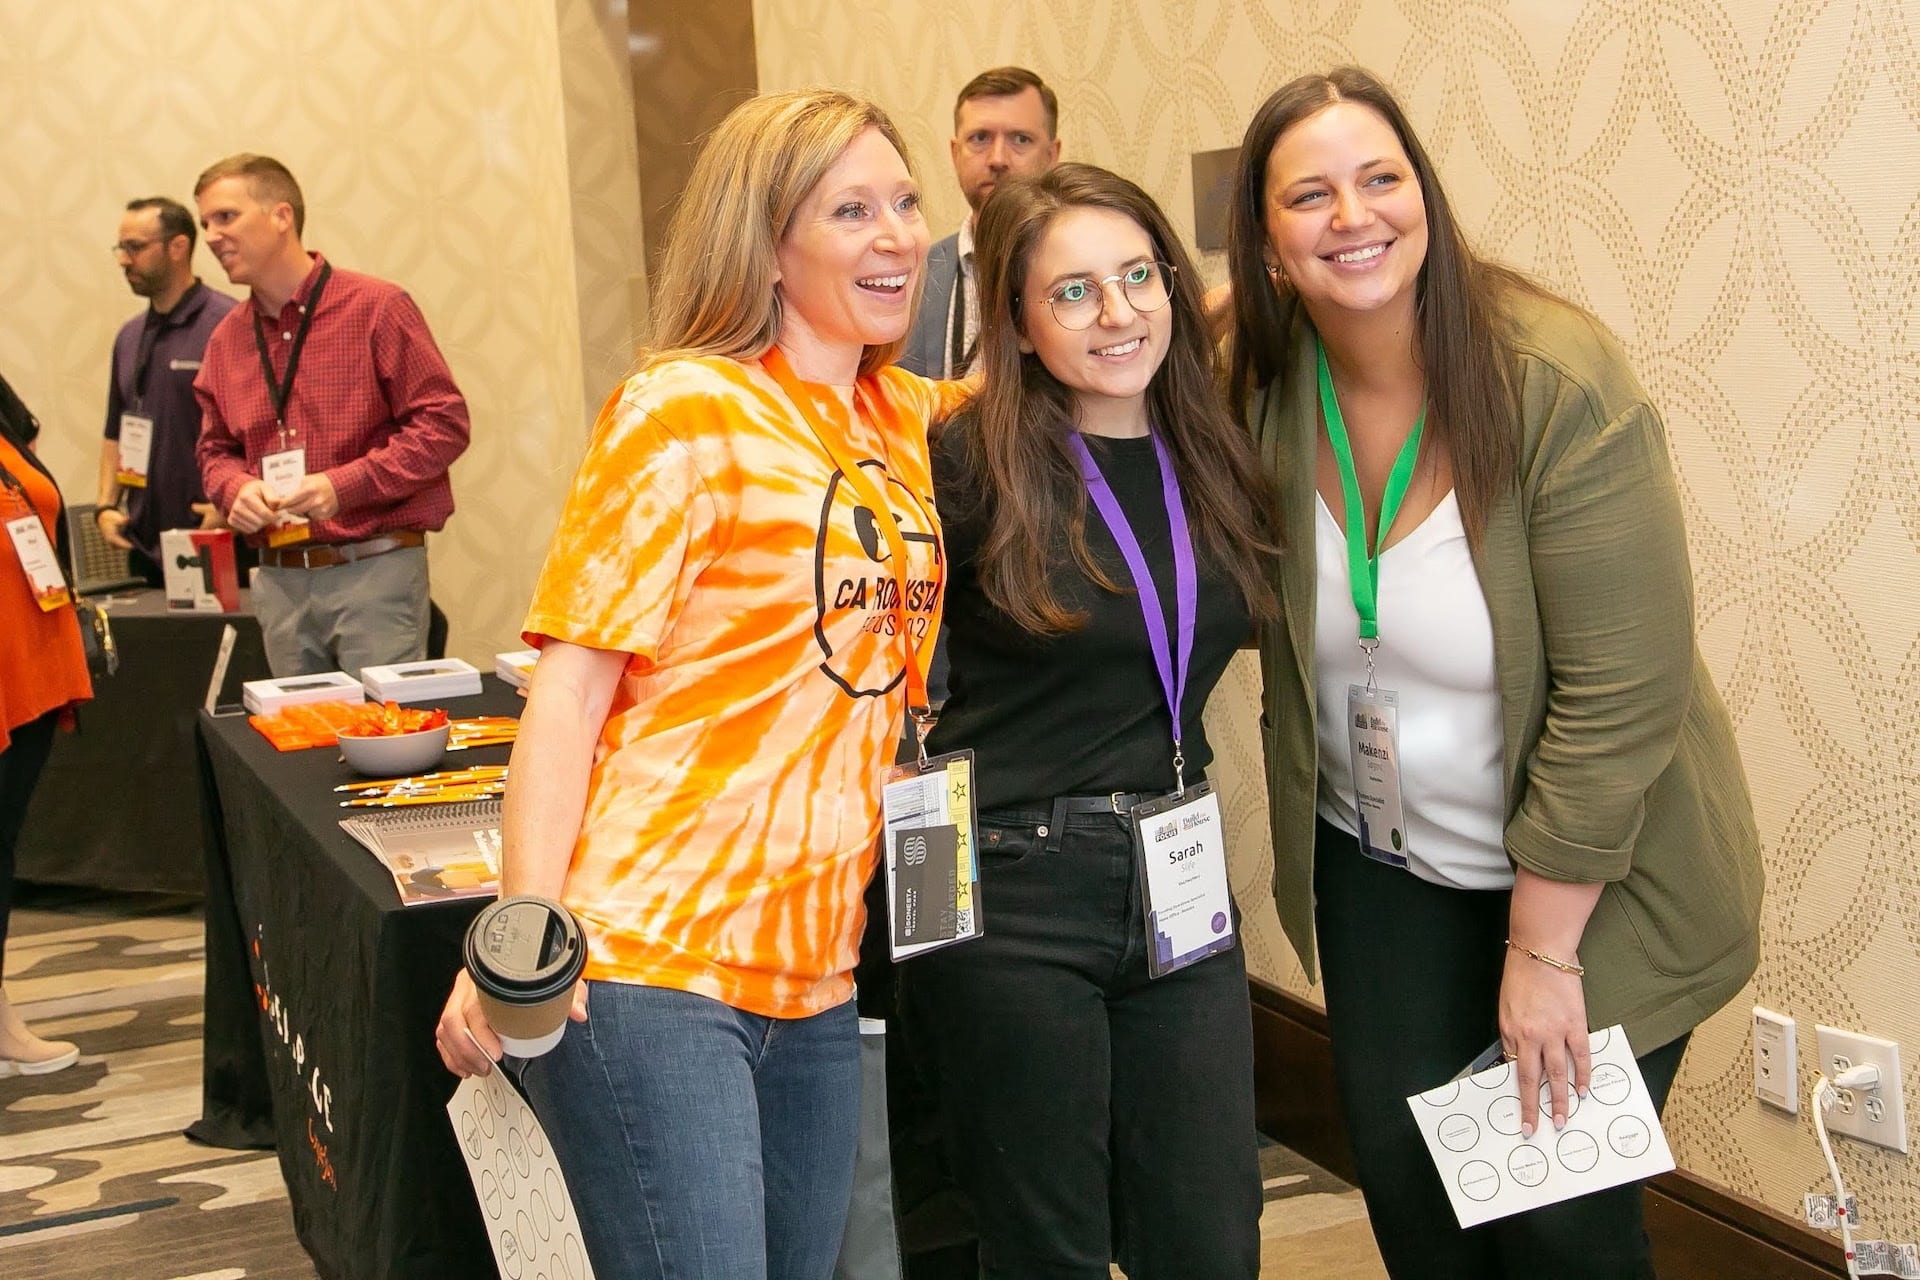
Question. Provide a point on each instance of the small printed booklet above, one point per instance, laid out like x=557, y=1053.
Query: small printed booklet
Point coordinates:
x=435, y=852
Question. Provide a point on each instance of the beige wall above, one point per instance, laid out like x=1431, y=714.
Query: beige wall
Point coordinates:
x=479, y=154
x=1733, y=187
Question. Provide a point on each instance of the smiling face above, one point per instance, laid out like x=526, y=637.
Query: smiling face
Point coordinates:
x=1344, y=215
x=244, y=234
x=1004, y=136
x=849, y=259
x=1109, y=364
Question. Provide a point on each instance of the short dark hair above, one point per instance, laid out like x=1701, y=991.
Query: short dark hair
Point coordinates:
x=175, y=218
x=271, y=182
x=1004, y=82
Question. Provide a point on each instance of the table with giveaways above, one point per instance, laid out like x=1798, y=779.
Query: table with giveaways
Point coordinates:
x=322, y=994
x=118, y=806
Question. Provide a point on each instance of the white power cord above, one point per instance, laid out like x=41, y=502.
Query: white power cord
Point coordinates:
x=1825, y=1094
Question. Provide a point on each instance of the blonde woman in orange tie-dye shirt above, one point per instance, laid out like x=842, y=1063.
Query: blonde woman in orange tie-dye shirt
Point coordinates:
x=722, y=681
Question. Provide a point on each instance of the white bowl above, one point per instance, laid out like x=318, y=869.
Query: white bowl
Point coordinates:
x=395, y=755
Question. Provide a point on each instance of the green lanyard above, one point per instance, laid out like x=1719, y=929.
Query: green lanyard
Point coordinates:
x=1363, y=570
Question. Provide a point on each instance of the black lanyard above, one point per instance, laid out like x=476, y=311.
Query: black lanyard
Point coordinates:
x=282, y=391
x=957, y=325
x=150, y=332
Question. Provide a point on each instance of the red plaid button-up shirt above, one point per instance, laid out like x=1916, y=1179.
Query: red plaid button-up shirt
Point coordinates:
x=373, y=404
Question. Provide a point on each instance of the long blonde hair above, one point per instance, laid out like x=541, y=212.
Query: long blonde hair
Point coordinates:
x=716, y=293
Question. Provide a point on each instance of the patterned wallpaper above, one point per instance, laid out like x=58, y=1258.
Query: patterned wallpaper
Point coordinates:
x=479, y=154
x=1733, y=188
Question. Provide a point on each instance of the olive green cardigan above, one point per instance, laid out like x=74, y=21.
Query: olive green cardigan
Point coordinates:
x=1621, y=765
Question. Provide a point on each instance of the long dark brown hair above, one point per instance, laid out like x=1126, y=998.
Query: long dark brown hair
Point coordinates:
x=1017, y=451
x=1462, y=338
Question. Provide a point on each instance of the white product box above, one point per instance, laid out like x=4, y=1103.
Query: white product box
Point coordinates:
x=516, y=668
x=264, y=697
x=428, y=681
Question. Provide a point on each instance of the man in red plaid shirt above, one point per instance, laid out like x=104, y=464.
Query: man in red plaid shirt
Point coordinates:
x=329, y=422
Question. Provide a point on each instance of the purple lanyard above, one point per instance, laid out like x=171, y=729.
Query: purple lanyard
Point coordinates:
x=1186, y=589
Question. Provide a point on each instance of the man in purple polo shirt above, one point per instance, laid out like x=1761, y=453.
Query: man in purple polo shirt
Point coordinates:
x=149, y=479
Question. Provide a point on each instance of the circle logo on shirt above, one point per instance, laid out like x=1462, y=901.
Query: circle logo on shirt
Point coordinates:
x=857, y=585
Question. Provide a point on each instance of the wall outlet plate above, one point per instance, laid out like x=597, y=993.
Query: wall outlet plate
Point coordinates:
x=1776, y=1063
x=1872, y=1115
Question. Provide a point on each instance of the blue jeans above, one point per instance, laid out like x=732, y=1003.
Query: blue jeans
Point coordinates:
x=701, y=1142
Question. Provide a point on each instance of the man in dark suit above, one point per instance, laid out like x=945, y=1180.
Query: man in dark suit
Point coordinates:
x=1005, y=124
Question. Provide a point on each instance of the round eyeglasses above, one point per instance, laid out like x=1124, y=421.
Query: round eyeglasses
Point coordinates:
x=132, y=248
x=1077, y=303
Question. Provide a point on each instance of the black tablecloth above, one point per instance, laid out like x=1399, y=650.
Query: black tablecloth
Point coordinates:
x=118, y=806
x=322, y=994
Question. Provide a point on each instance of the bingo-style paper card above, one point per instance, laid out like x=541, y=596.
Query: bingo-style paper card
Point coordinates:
x=1472, y=1129
x=528, y=1214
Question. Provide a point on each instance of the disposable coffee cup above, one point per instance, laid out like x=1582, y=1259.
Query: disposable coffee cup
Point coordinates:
x=525, y=954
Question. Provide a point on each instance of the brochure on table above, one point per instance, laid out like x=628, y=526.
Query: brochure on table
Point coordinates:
x=1472, y=1130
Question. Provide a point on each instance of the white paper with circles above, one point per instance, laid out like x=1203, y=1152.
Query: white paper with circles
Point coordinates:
x=529, y=1216
x=1472, y=1130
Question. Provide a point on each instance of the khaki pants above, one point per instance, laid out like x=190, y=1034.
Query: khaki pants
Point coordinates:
x=343, y=617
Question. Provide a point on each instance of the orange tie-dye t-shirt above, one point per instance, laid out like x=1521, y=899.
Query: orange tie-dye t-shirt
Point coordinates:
x=733, y=812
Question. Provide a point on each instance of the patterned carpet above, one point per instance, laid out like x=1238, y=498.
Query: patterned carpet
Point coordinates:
x=96, y=1180
x=95, y=1177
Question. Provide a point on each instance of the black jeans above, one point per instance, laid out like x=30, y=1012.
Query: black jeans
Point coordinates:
x=1092, y=1112
x=20, y=766
x=1412, y=973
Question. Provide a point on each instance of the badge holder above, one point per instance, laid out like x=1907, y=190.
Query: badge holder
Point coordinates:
x=1180, y=845
x=1373, y=744
x=933, y=878
x=282, y=473
x=37, y=560
x=136, y=450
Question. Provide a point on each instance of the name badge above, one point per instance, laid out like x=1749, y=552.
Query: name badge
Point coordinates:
x=44, y=579
x=183, y=366
x=1373, y=740
x=283, y=473
x=1182, y=846
x=136, y=449
x=933, y=879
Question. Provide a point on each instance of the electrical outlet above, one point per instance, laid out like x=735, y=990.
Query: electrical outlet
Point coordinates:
x=1776, y=1074
x=1875, y=1115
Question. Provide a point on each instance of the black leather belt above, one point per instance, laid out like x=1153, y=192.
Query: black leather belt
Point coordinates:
x=1117, y=803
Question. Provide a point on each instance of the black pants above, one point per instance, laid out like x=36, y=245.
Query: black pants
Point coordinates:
x=1412, y=974
x=20, y=766
x=1092, y=1112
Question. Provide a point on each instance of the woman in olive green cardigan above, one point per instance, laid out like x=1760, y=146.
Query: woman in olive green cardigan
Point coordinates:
x=1566, y=840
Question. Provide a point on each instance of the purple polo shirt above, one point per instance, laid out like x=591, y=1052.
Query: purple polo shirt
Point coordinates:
x=178, y=340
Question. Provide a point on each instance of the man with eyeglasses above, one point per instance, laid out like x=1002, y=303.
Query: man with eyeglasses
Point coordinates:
x=149, y=480
x=331, y=421
x=1005, y=125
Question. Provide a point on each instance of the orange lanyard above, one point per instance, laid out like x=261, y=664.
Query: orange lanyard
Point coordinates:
x=919, y=656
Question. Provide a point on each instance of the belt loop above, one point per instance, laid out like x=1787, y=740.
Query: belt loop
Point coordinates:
x=1057, y=825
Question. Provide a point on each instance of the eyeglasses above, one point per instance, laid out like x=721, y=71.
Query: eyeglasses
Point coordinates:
x=132, y=247
x=1076, y=304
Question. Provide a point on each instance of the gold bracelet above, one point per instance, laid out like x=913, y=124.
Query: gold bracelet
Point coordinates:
x=1577, y=970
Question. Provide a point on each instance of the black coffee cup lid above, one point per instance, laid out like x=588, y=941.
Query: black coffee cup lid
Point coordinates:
x=524, y=950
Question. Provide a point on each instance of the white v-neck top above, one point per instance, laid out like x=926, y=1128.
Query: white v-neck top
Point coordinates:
x=1436, y=650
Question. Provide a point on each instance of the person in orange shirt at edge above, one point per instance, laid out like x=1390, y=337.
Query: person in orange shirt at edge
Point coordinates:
x=732, y=621
x=43, y=675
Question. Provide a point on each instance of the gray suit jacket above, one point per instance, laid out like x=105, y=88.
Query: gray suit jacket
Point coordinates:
x=925, y=353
